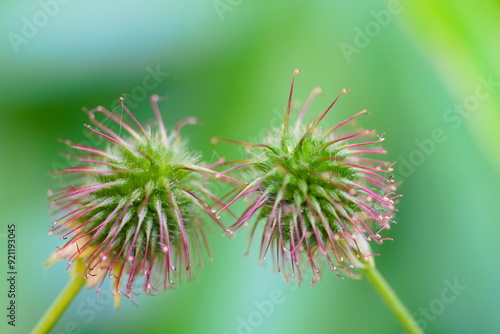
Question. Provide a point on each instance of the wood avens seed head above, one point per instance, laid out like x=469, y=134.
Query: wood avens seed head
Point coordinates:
x=132, y=209
x=317, y=193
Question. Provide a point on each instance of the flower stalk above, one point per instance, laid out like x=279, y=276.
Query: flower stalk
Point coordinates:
x=391, y=299
x=59, y=306
x=132, y=211
x=320, y=197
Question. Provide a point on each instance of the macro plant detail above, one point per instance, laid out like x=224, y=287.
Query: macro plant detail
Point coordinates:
x=317, y=193
x=134, y=212
x=134, y=207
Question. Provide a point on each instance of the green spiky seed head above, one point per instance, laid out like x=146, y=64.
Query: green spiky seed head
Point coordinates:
x=134, y=206
x=316, y=192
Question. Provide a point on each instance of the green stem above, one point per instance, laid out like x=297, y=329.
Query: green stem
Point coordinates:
x=57, y=308
x=400, y=311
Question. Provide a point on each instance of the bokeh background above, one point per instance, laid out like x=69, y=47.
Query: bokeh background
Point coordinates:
x=428, y=72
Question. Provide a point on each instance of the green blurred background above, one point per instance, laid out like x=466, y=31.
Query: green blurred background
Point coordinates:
x=428, y=73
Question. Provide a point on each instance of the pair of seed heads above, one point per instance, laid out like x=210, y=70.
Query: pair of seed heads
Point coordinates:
x=136, y=210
